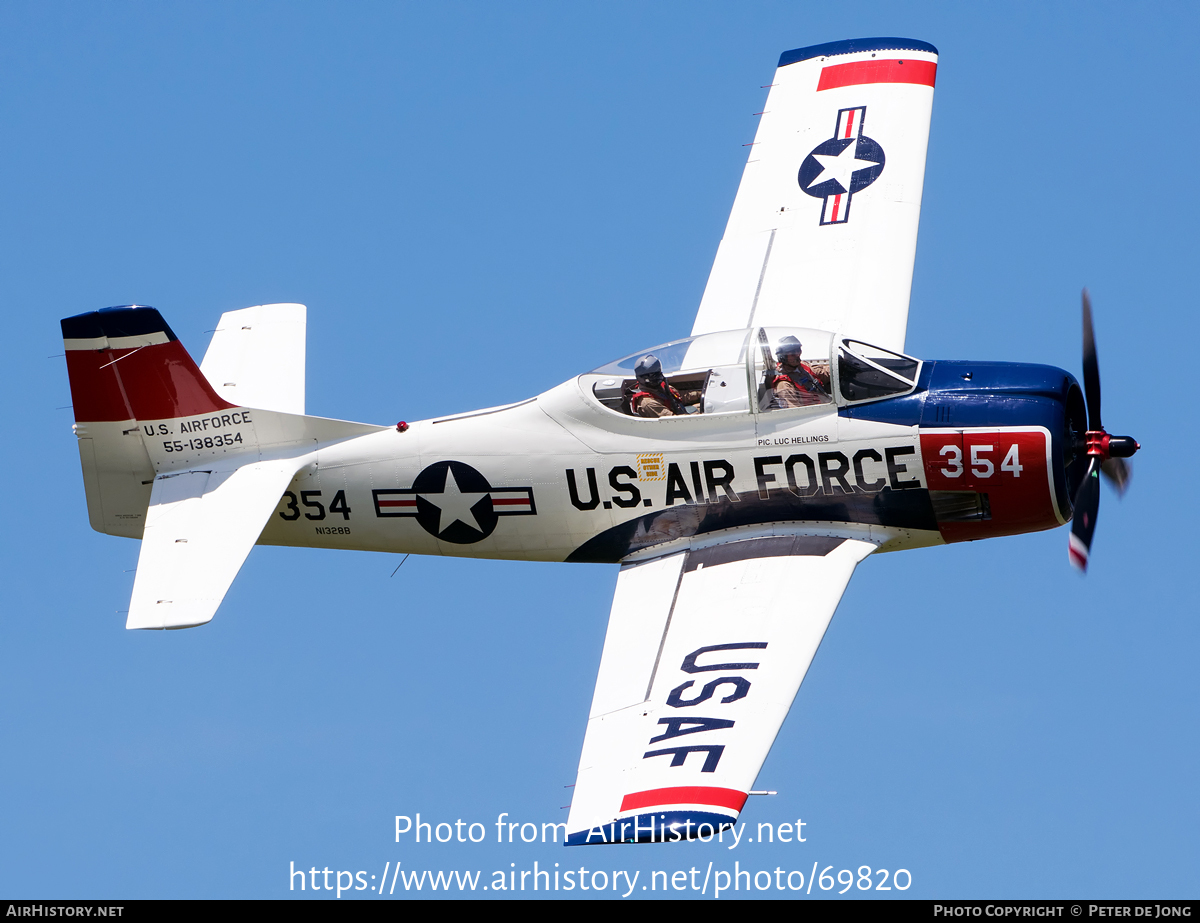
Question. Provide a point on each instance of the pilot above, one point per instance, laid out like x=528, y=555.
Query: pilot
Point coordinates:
x=795, y=383
x=654, y=397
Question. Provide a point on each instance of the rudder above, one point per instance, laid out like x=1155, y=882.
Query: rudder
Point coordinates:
x=125, y=363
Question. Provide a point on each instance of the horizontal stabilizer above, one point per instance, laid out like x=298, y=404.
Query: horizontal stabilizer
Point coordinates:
x=200, y=526
x=256, y=357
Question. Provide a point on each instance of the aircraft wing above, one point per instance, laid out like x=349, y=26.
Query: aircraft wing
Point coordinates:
x=823, y=231
x=200, y=526
x=704, y=653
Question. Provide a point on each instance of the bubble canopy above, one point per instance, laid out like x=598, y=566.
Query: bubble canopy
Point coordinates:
x=753, y=370
x=727, y=347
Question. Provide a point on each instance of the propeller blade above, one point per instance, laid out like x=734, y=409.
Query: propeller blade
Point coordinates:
x=1083, y=525
x=1118, y=471
x=1091, y=367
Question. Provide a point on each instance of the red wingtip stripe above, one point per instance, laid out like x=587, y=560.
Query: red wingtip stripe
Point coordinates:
x=658, y=797
x=856, y=73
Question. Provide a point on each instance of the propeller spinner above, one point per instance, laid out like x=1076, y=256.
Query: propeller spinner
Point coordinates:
x=1106, y=453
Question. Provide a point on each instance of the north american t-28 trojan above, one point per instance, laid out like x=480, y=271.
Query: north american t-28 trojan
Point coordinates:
x=787, y=438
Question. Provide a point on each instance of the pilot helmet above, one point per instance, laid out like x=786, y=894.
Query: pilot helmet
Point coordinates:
x=649, y=370
x=788, y=346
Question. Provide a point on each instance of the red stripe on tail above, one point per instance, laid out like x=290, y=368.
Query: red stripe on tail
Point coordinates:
x=156, y=382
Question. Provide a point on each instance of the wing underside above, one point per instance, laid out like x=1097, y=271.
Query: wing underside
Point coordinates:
x=704, y=653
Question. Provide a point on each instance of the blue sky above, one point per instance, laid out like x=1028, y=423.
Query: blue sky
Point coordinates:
x=476, y=202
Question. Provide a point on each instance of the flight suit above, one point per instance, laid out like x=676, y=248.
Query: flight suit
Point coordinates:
x=799, y=387
x=645, y=404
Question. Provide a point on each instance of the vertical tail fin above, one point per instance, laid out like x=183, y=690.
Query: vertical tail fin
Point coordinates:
x=166, y=459
x=125, y=363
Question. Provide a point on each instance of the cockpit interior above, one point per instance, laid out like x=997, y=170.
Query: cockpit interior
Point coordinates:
x=760, y=369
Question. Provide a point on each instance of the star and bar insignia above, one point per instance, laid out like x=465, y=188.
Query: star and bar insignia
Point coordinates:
x=845, y=164
x=455, y=503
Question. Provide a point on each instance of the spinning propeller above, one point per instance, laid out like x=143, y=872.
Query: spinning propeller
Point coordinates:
x=1106, y=453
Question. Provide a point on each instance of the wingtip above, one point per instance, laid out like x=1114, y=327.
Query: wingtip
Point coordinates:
x=668, y=826
x=850, y=46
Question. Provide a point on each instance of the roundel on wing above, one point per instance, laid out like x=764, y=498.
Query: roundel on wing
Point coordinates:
x=841, y=165
x=454, y=503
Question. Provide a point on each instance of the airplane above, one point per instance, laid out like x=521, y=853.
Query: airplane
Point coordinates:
x=737, y=475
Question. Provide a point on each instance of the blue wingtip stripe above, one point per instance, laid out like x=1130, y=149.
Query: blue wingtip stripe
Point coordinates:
x=852, y=45
x=655, y=827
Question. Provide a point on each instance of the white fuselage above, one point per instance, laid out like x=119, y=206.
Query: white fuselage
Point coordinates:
x=572, y=472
